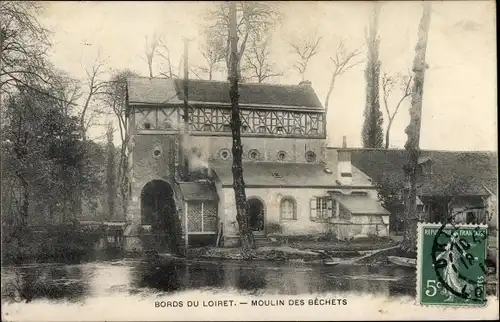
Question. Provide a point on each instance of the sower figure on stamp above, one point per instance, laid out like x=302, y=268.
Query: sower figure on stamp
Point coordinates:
x=450, y=276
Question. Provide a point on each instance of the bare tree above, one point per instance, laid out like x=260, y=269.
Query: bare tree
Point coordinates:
x=23, y=43
x=213, y=51
x=150, y=46
x=95, y=87
x=115, y=99
x=343, y=60
x=163, y=51
x=246, y=235
x=253, y=18
x=257, y=61
x=305, y=48
x=413, y=132
x=155, y=47
x=390, y=83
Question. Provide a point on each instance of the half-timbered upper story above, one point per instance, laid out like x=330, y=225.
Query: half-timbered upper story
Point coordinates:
x=290, y=118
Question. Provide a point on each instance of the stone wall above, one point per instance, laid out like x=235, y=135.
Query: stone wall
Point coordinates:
x=302, y=225
x=152, y=157
x=268, y=148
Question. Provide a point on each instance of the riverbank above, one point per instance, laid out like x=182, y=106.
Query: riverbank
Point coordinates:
x=269, y=253
x=302, y=250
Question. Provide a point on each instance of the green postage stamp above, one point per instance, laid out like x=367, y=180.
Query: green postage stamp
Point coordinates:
x=451, y=267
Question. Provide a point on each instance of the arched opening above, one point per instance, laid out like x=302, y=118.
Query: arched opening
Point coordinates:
x=158, y=210
x=256, y=213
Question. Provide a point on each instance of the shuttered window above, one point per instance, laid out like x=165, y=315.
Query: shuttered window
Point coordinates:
x=321, y=208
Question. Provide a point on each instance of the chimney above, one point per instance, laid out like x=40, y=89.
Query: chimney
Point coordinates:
x=305, y=83
x=344, y=167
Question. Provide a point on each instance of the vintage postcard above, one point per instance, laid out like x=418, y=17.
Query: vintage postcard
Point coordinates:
x=248, y=160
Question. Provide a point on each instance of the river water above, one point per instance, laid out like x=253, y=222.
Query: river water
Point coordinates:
x=127, y=277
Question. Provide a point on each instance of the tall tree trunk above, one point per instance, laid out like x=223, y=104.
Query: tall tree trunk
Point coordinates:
x=246, y=236
x=330, y=90
x=25, y=204
x=413, y=132
x=387, y=133
x=110, y=173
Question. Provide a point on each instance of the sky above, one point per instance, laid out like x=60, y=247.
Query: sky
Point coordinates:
x=459, y=104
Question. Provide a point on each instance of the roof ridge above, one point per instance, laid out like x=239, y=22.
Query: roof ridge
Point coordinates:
x=240, y=84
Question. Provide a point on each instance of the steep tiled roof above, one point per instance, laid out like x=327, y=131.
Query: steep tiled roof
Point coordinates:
x=163, y=90
x=285, y=174
x=453, y=172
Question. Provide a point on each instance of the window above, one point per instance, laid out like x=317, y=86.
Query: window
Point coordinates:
x=313, y=131
x=321, y=208
x=147, y=125
x=288, y=210
x=253, y=154
x=226, y=128
x=279, y=130
x=281, y=155
x=244, y=128
x=310, y=156
x=157, y=152
x=469, y=217
x=262, y=129
x=208, y=128
x=225, y=154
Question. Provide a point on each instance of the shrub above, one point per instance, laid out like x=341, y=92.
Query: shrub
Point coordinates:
x=274, y=228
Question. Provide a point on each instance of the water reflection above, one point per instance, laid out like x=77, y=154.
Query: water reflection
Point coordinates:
x=77, y=282
x=52, y=283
